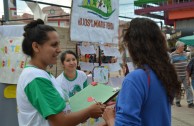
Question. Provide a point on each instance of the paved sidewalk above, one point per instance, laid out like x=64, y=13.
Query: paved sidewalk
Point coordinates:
x=182, y=116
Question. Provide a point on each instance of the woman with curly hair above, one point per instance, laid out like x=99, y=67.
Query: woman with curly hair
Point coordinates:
x=148, y=92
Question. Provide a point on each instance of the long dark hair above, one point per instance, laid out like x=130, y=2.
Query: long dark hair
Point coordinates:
x=147, y=45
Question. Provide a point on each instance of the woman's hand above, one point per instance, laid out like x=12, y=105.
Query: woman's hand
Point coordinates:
x=96, y=110
x=109, y=116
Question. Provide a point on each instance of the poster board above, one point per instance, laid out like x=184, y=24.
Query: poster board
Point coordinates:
x=12, y=59
x=100, y=74
x=102, y=93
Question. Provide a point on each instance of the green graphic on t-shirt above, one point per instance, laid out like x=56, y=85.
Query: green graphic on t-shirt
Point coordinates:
x=76, y=89
x=85, y=84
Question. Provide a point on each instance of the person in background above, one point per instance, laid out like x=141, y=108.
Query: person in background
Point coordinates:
x=190, y=72
x=179, y=59
x=87, y=57
x=40, y=100
x=125, y=69
x=92, y=58
x=147, y=93
x=71, y=80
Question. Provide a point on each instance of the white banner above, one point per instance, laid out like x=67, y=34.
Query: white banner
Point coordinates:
x=95, y=21
x=12, y=59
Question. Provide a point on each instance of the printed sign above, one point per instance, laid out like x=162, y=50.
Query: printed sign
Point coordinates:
x=100, y=75
x=95, y=20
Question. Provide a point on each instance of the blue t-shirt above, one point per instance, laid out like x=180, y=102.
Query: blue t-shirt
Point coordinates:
x=141, y=103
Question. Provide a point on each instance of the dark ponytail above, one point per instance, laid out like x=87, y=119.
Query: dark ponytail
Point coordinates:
x=35, y=31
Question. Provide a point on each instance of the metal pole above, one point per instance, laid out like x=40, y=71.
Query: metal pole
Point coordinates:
x=99, y=58
x=125, y=17
x=33, y=19
x=6, y=10
x=46, y=3
x=161, y=24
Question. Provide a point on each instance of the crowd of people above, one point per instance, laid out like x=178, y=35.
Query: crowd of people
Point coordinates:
x=146, y=95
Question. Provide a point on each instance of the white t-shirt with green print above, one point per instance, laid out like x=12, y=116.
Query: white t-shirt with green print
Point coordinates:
x=38, y=96
x=75, y=85
x=70, y=87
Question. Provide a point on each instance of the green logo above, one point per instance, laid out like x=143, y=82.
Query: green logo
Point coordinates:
x=102, y=8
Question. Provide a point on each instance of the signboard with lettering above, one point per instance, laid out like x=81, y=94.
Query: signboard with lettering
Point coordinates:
x=12, y=59
x=95, y=21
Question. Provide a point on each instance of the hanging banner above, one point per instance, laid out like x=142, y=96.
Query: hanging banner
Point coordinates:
x=12, y=59
x=95, y=20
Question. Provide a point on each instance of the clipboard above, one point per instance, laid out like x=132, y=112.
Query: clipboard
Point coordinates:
x=102, y=93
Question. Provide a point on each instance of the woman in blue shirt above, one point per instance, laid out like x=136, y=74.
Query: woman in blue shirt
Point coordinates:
x=148, y=92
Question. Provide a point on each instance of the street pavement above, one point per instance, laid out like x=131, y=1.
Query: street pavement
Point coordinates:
x=182, y=116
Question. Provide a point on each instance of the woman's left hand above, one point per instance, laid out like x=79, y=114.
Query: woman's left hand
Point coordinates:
x=109, y=116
